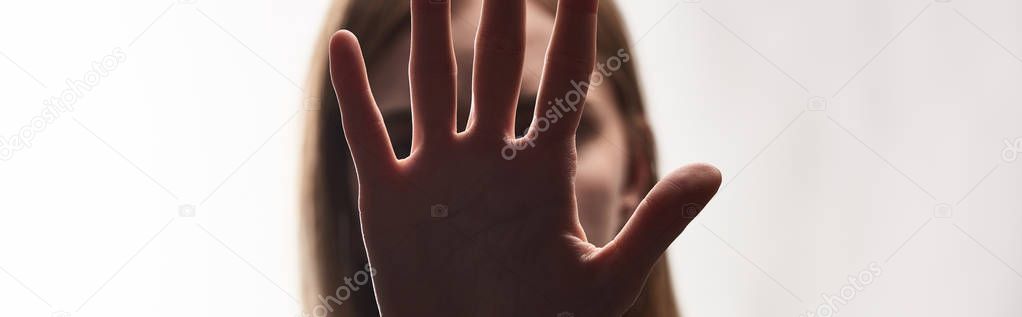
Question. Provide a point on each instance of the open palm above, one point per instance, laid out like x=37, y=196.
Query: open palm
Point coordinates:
x=461, y=228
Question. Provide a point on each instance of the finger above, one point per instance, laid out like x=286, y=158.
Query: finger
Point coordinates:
x=363, y=126
x=433, y=72
x=497, y=70
x=569, y=63
x=661, y=217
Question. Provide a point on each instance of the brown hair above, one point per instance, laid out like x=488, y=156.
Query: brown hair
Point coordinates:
x=333, y=246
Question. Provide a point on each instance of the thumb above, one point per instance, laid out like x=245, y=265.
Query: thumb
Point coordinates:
x=665, y=212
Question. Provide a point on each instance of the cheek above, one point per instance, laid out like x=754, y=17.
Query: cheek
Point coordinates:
x=598, y=187
x=596, y=211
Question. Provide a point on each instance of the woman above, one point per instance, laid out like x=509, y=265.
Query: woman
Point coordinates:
x=538, y=207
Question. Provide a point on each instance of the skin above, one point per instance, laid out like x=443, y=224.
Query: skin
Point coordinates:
x=456, y=229
x=605, y=195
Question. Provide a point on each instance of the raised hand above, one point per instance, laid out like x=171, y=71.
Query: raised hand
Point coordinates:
x=458, y=228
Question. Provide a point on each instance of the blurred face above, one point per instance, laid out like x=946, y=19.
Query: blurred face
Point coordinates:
x=601, y=183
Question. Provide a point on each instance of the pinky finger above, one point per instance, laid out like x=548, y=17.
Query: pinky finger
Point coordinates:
x=364, y=128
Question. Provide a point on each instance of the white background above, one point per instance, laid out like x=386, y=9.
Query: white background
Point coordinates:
x=918, y=100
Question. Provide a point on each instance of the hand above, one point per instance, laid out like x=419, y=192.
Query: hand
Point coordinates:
x=456, y=229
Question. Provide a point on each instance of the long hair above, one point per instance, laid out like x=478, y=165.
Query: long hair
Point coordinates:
x=332, y=240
